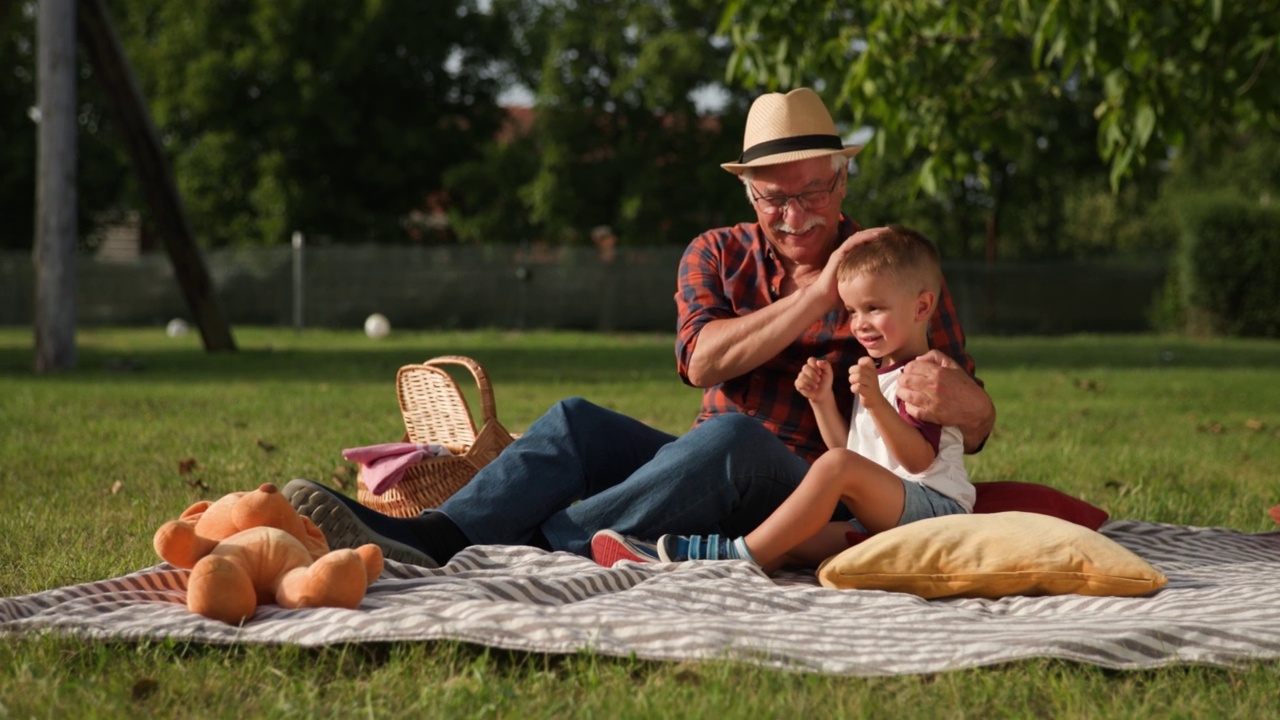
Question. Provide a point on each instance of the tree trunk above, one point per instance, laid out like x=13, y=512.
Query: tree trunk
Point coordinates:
x=154, y=173
x=55, y=241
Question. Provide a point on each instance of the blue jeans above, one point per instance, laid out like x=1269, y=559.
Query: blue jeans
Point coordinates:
x=581, y=468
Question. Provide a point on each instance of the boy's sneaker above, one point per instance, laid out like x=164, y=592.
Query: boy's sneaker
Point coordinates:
x=678, y=548
x=609, y=548
x=348, y=524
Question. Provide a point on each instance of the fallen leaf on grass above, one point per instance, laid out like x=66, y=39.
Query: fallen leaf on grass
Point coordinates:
x=186, y=465
x=1254, y=424
x=143, y=689
x=266, y=445
x=198, y=484
x=688, y=673
x=116, y=487
x=343, y=475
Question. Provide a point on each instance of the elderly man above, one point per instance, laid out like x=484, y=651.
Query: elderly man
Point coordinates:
x=755, y=301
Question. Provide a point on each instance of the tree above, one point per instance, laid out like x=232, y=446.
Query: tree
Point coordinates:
x=332, y=118
x=152, y=170
x=618, y=138
x=1021, y=212
x=103, y=174
x=55, y=240
x=972, y=83
x=17, y=98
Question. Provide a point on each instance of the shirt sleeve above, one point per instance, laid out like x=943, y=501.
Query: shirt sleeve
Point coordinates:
x=700, y=297
x=932, y=432
x=945, y=333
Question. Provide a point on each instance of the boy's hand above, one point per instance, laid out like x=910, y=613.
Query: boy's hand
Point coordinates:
x=864, y=381
x=814, y=380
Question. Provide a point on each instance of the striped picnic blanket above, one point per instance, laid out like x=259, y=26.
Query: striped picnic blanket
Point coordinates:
x=1221, y=607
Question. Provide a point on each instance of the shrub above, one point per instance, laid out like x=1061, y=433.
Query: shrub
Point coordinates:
x=1227, y=270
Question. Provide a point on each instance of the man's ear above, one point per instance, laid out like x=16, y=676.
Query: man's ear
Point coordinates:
x=925, y=303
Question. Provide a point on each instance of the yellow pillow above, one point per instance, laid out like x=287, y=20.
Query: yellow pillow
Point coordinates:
x=990, y=556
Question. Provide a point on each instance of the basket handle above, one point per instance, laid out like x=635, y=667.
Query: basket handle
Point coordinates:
x=488, y=407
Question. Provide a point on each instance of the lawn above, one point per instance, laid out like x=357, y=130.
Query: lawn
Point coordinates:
x=1155, y=428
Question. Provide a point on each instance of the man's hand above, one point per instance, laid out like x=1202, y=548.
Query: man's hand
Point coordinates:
x=827, y=280
x=935, y=389
x=815, y=379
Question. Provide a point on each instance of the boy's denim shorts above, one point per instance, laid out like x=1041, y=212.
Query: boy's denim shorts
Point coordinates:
x=920, y=502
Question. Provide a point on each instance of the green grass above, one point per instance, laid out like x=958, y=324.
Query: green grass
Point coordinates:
x=1164, y=429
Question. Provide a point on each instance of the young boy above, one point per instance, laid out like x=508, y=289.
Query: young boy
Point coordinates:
x=885, y=466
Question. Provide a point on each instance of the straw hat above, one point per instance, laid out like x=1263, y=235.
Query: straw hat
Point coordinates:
x=785, y=128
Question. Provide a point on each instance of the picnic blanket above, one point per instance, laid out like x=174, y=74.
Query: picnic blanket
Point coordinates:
x=1221, y=607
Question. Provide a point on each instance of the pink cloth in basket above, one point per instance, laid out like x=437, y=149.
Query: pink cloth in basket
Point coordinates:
x=384, y=465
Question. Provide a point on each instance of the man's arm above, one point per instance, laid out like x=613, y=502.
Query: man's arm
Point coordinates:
x=728, y=346
x=936, y=389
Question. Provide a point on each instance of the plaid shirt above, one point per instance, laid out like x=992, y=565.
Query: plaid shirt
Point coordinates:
x=730, y=272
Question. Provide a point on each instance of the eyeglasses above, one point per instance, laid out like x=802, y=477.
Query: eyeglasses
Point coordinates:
x=811, y=200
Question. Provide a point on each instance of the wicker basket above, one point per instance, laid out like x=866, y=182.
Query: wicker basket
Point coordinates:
x=435, y=411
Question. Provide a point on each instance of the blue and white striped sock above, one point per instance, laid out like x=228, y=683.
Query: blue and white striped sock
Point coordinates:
x=705, y=547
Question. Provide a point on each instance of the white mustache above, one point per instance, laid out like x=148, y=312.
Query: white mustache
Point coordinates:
x=813, y=222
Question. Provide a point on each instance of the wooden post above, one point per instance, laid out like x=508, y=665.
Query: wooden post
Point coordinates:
x=299, y=280
x=55, y=241
x=154, y=173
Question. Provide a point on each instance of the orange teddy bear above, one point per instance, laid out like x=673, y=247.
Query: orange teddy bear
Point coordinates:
x=252, y=548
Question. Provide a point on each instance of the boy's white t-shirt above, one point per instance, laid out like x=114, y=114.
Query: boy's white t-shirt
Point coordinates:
x=947, y=474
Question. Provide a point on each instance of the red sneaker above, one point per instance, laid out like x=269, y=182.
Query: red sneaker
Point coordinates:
x=609, y=548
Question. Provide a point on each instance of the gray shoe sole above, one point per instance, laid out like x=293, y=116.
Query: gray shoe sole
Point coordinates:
x=341, y=527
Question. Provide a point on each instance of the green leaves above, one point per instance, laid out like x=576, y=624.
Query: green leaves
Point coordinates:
x=619, y=140
x=997, y=68
x=335, y=119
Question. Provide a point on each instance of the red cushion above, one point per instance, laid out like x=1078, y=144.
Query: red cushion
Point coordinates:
x=1006, y=495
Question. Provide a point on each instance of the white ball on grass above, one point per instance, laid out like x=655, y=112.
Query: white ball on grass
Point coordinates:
x=176, y=328
x=377, y=326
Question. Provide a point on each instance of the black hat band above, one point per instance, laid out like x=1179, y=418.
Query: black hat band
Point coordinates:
x=791, y=144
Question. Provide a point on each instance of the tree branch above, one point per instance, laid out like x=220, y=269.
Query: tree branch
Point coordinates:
x=1257, y=70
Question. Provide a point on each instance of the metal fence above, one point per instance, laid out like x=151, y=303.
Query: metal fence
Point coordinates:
x=516, y=287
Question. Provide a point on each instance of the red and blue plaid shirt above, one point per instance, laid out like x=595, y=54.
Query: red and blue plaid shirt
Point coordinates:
x=731, y=272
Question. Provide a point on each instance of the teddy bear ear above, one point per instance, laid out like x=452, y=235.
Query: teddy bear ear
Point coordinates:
x=314, y=540
x=195, y=512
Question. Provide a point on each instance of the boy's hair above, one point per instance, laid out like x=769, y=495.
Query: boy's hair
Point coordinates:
x=906, y=255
